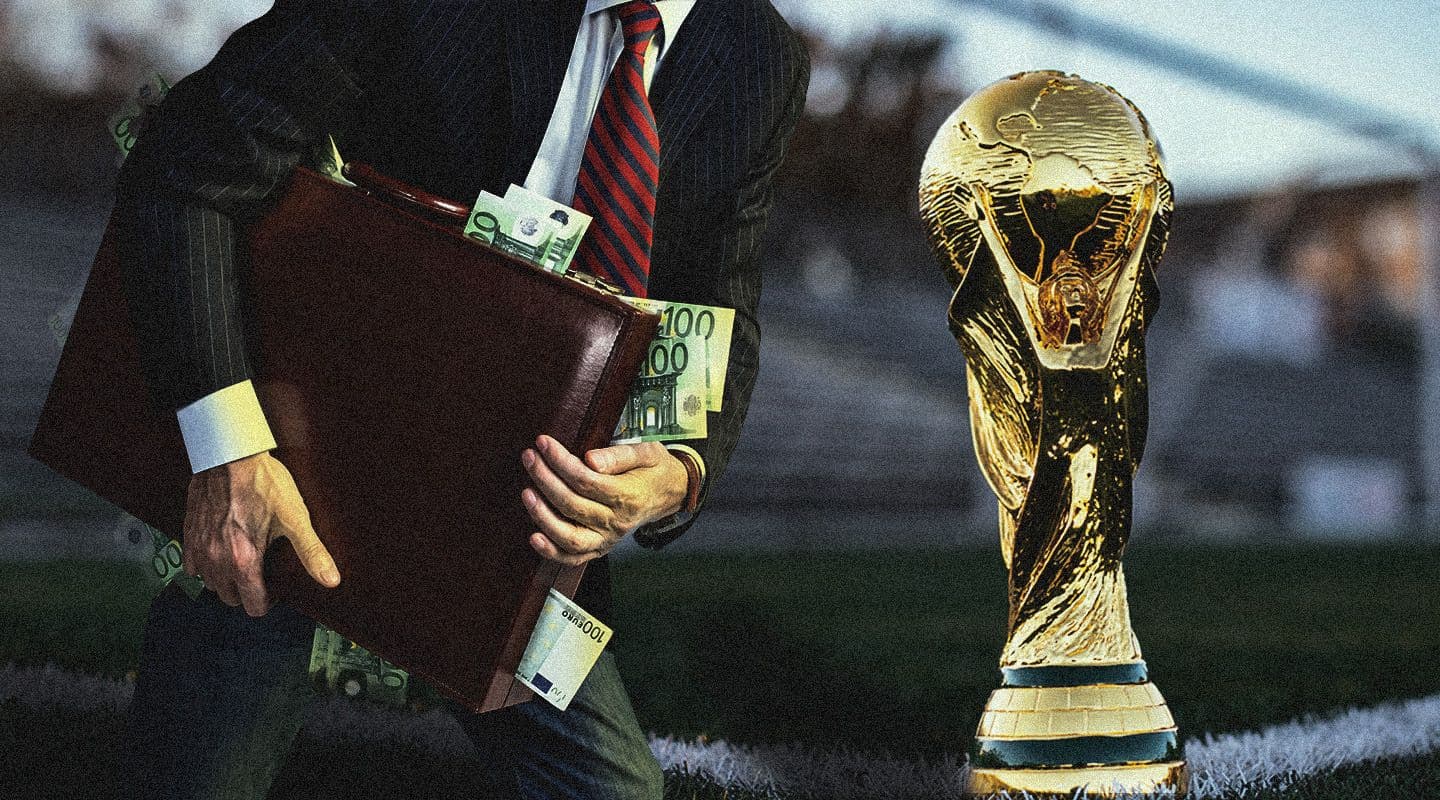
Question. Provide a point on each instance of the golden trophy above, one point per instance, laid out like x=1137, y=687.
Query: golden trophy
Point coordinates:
x=1046, y=200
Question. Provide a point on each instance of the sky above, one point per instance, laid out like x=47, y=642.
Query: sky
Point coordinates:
x=60, y=42
x=1384, y=55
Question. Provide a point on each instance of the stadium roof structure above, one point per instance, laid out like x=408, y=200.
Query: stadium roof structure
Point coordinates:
x=1243, y=96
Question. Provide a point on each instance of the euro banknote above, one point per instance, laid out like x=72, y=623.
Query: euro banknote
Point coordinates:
x=714, y=324
x=340, y=666
x=521, y=232
x=563, y=649
x=667, y=401
x=565, y=239
x=126, y=124
x=529, y=226
x=164, y=563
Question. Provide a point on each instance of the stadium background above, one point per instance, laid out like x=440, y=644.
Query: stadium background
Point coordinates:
x=1284, y=558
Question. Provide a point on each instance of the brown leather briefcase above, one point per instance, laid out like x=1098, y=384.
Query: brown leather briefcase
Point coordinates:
x=405, y=369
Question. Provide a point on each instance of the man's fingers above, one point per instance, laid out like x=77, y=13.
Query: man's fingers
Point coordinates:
x=621, y=458
x=547, y=549
x=225, y=590
x=316, y=559
x=312, y=553
x=567, y=537
x=248, y=577
x=579, y=477
x=253, y=596
x=223, y=587
x=574, y=506
x=191, y=537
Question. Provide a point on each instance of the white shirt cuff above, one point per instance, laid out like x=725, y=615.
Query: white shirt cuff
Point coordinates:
x=223, y=426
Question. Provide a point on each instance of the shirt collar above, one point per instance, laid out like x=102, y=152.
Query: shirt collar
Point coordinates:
x=672, y=13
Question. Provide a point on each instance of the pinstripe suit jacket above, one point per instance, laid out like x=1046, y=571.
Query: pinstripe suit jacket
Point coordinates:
x=453, y=96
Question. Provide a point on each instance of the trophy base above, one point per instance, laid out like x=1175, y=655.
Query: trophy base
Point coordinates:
x=1063, y=782
x=1052, y=730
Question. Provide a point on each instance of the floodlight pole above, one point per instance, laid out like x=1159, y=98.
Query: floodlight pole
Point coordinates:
x=1427, y=206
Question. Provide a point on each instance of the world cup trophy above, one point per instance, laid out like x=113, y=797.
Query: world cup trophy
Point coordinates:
x=1046, y=200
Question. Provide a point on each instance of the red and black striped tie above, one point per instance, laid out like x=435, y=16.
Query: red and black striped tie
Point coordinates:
x=621, y=167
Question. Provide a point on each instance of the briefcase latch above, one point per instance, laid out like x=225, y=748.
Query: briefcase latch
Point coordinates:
x=594, y=282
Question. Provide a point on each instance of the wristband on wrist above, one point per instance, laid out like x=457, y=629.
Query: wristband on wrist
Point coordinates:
x=692, y=481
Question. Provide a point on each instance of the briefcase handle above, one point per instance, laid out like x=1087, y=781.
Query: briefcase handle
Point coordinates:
x=403, y=195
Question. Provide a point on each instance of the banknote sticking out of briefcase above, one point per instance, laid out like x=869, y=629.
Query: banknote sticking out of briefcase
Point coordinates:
x=405, y=368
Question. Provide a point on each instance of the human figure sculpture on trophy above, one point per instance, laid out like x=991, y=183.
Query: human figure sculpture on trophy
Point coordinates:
x=1046, y=200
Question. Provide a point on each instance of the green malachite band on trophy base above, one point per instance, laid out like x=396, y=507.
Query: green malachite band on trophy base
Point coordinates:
x=1075, y=676
x=1080, y=751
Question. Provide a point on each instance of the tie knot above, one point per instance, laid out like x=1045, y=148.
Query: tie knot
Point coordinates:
x=639, y=20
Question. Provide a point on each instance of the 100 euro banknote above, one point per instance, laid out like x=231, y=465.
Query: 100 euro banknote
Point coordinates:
x=563, y=649
x=164, y=565
x=667, y=400
x=713, y=324
x=521, y=232
x=530, y=226
x=570, y=225
x=126, y=124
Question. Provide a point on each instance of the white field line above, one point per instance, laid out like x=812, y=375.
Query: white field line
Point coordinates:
x=1239, y=763
x=1232, y=764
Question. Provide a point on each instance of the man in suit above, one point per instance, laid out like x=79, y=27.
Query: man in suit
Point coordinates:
x=663, y=119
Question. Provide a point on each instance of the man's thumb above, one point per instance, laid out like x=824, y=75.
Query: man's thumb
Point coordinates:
x=312, y=553
x=619, y=458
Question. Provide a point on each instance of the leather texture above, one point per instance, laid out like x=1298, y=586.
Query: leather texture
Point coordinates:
x=407, y=369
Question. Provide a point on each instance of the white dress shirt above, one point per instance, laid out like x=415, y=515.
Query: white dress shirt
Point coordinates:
x=229, y=424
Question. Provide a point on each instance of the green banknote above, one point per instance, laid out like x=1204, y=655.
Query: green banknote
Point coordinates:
x=126, y=124
x=336, y=664
x=340, y=666
x=520, y=231
x=566, y=238
x=562, y=650
x=164, y=564
x=667, y=400
x=714, y=323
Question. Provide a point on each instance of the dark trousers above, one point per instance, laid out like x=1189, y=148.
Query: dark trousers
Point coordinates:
x=220, y=695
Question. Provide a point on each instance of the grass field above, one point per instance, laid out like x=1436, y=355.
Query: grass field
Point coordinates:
x=881, y=652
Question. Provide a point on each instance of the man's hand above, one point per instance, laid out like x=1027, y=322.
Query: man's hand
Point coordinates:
x=232, y=513
x=585, y=507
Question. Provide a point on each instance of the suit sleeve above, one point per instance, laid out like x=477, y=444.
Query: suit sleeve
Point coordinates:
x=209, y=160
x=737, y=245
